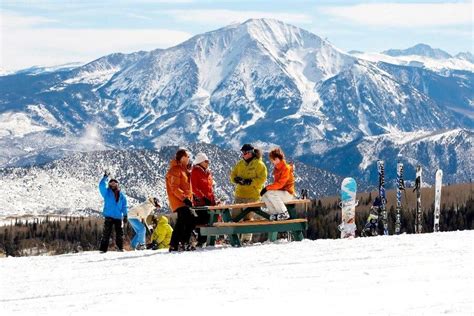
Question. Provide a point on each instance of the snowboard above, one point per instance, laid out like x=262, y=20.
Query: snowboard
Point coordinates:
x=348, y=205
x=418, y=217
x=381, y=171
x=437, y=211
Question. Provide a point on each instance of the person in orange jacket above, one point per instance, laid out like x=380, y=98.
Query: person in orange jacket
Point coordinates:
x=282, y=189
x=180, y=194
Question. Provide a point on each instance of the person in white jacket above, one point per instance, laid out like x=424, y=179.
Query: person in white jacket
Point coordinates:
x=137, y=217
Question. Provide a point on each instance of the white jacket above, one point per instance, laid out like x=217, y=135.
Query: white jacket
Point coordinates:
x=142, y=210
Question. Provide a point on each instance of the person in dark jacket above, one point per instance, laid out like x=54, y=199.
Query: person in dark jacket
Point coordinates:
x=115, y=210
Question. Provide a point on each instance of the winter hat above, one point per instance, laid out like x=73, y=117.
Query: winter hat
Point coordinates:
x=247, y=147
x=201, y=157
x=113, y=180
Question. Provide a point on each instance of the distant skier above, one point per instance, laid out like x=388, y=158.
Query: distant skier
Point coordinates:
x=180, y=194
x=115, y=210
x=249, y=175
x=137, y=217
x=282, y=189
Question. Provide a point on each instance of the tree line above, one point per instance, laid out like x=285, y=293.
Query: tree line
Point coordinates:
x=53, y=236
x=74, y=234
x=323, y=219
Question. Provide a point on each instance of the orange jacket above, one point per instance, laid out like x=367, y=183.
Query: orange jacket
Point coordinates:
x=178, y=185
x=283, y=178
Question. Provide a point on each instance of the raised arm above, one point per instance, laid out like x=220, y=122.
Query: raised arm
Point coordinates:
x=103, y=186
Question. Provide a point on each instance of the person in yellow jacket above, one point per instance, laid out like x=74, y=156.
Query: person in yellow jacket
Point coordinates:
x=161, y=237
x=249, y=176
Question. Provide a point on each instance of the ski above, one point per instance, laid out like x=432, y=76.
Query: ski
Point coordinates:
x=348, y=205
x=418, y=218
x=438, y=184
x=381, y=171
x=400, y=188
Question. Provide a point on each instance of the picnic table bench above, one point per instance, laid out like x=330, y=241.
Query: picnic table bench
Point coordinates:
x=234, y=226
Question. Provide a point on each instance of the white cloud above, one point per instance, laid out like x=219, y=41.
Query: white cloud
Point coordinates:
x=225, y=17
x=28, y=41
x=404, y=14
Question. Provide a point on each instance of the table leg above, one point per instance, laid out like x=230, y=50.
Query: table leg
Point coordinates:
x=211, y=240
x=234, y=238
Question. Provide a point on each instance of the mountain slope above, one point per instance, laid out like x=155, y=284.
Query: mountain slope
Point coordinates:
x=420, y=50
x=69, y=185
x=261, y=81
x=451, y=151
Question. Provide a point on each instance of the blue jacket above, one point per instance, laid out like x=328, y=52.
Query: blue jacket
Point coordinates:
x=111, y=207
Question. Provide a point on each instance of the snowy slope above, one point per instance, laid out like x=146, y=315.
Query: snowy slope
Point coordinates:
x=421, y=55
x=419, y=61
x=427, y=274
x=450, y=150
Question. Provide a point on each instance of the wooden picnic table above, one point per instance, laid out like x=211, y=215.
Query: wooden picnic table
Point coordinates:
x=235, y=226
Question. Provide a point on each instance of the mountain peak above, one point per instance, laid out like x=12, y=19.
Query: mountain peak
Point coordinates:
x=420, y=50
x=466, y=56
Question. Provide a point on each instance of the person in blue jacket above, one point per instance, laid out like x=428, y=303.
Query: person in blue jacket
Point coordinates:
x=115, y=209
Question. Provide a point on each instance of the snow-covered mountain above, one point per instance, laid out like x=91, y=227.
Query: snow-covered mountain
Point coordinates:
x=466, y=56
x=419, y=50
x=451, y=150
x=423, y=56
x=261, y=81
x=69, y=185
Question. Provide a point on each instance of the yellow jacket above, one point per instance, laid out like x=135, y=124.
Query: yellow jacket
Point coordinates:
x=255, y=170
x=162, y=233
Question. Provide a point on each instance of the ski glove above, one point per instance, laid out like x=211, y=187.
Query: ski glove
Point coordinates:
x=247, y=181
x=207, y=201
x=239, y=180
x=125, y=219
x=264, y=190
x=106, y=173
x=188, y=202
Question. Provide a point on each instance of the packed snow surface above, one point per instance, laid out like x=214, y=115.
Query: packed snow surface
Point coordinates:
x=427, y=274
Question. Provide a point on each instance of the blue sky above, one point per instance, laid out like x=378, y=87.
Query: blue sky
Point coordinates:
x=51, y=32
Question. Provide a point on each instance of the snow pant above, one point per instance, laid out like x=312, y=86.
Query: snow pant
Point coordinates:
x=185, y=224
x=109, y=223
x=248, y=217
x=140, y=232
x=275, y=201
